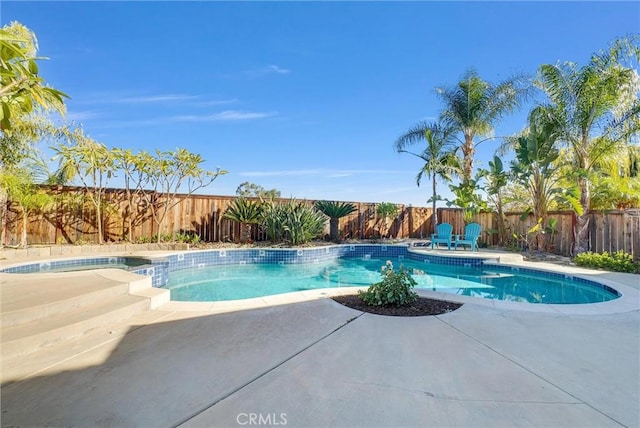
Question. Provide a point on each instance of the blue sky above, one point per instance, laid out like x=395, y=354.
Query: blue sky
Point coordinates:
x=305, y=97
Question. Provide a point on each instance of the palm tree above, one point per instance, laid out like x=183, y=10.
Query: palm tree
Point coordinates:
x=335, y=211
x=439, y=156
x=473, y=106
x=597, y=111
x=246, y=213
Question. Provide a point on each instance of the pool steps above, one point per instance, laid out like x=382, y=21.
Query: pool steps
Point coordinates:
x=58, y=308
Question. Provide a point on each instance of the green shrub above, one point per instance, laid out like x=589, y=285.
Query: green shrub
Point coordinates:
x=292, y=222
x=618, y=261
x=188, y=238
x=394, y=289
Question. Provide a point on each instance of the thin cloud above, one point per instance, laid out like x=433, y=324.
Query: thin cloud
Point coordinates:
x=79, y=116
x=150, y=99
x=227, y=115
x=277, y=70
x=111, y=98
x=318, y=172
x=270, y=69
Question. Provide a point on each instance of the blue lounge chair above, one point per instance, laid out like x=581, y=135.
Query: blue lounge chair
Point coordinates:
x=442, y=235
x=471, y=234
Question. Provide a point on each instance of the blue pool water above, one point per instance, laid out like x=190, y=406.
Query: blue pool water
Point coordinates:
x=242, y=281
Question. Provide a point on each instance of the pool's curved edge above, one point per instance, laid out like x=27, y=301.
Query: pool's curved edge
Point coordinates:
x=628, y=301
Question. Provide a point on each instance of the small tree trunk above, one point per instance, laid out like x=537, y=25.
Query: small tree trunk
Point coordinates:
x=4, y=200
x=25, y=222
x=581, y=227
x=245, y=232
x=334, y=231
x=433, y=203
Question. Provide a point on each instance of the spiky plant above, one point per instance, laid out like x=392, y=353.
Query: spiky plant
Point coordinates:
x=335, y=211
x=246, y=213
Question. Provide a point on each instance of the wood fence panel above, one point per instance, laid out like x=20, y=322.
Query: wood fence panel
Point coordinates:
x=71, y=219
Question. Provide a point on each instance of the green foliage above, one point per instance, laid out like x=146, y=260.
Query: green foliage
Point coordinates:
x=473, y=106
x=89, y=161
x=333, y=209
x=243, y=211
x=394, y=289
x=19, y=183
x=439, y=157
x=387, y=210
x=22, y=89
x=597, y=112
x=467, y=197
x=619, y=261
x=292, y=222
x=188, y=238
x=497, y=179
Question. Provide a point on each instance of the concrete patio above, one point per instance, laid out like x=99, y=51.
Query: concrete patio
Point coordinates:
x=305, y=361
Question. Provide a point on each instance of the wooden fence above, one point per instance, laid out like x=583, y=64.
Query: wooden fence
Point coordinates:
x=71, y=220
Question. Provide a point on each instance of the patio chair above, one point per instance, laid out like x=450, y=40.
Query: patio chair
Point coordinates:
x=471, y=234
x=442, y=235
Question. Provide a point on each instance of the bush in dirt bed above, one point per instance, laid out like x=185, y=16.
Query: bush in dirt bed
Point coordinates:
x=618, y=261
x=394, y=289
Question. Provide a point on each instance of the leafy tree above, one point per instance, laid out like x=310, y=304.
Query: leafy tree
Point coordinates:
x=335, y=211
x=473, y=106
x=133, y=167
x=246, y=213
x=468, y=198
x=439, y=156
x=20, y=185
x=92, y=163
x=21, y=87
x=597, y=111
x=386, y=211
x=170, y=172
x=248, y=189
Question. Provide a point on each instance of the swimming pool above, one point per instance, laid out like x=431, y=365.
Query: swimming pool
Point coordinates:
x=248, y=280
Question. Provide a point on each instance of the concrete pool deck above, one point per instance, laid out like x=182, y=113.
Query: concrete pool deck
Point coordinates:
x=303, y=360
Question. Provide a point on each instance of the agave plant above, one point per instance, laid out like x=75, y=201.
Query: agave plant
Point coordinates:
x=335, y=211
x=292, y=221
x=246, y=213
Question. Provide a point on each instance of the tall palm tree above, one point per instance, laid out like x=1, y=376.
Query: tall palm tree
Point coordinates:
x=598, y=111
x=440, y=160
x=473, y=106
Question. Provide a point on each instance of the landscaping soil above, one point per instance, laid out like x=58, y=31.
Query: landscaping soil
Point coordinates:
x=421, y=307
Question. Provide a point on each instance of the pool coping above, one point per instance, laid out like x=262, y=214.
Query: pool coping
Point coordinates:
x=627, y=285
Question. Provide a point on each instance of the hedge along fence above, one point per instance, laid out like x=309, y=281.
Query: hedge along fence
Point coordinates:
x=71, y=220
